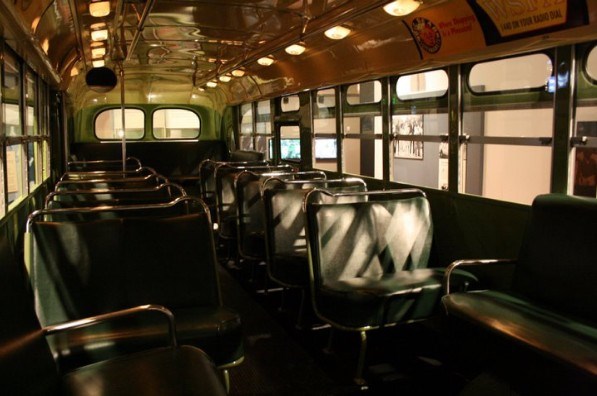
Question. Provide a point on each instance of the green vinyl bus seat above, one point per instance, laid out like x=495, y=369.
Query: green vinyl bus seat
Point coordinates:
x=550, y=304
x=368, y=260
x=27, y=367
x=88, y=267
x=287, y=260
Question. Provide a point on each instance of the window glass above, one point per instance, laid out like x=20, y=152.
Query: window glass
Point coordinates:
x=591, y=65
x=11, y=97
x=175, y=124
x=16, y=174
x=431, y=84
x=246, y=122
x=324, y=128
x=290, y=142
x=2, y=196
x=46, y=160
x=415, y=161
x=326, y=99
x=108, y=124
x=363, y=156
x=32, y=164
x=290, y=103
x=584, y=172
x=522, y=72
x=264, y=126
x=31, y=104
x=365, y=92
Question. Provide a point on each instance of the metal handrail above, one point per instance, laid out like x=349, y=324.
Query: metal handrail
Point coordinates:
x=99, y=173
x=98, y=162
x=93, y=320
x=355, y=180
x=158, y=177
x=405, y=191
x=115, y=208
x=94, y=191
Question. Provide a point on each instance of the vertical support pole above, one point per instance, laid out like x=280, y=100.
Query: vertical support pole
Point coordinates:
x=563, y=117
x=339, y=99
x=454, y=126
x=359, y=380
x=122, y=102
x=386, y=116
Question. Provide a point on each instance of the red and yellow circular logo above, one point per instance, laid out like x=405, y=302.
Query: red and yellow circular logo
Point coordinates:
x=427, y=35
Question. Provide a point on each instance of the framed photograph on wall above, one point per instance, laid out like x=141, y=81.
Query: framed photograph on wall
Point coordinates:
x=408, y=125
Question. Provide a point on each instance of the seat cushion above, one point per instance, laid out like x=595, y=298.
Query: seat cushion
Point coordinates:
x=215, y=330
x=563, y=338
x=377, y=301
x=164, y=371
x=253, y=246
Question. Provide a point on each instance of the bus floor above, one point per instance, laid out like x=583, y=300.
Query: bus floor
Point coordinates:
x=283, y=360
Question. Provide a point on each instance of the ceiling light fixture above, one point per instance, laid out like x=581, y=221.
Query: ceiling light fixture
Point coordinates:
x=225, y=78
x=337, y=32
x=295, y=49
x=401, y=7
x=99, y=35
x=99, y=9
x=266, y=60
x=98, y=52
x=212, y=84
x=98, y=63
x=238, y=72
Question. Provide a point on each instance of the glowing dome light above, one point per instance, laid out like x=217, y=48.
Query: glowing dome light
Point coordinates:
x=238, y=72
x=337, y=32
x=225, y=78
x=265, y=61
x=212, y=84
x=99, y=9
x=401, y=7
x=98, y=63
x=98, y=52
x=99, y=35
x=295, y=49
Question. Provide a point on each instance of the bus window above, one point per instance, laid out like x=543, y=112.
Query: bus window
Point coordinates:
x=290, y=143
x=419, y=118
x=365, y=92
x=16, y=174
x=108, y=124
x=324, y=129
x=290, y=103
x=263, y=126
x=175, y=124
x=518, y=73
x=429, y=84
x=508, y=117
x=584, y=172
x=246, y=126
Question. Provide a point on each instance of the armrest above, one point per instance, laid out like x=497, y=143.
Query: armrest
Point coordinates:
x=471, y=263
x=92, y=320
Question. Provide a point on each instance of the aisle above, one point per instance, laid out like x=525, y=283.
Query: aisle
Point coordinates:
x=274, y=363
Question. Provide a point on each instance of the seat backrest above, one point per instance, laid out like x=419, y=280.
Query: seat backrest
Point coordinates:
x=26, y=363
x=246, y=155
x=391, y=231
x=283, y=210
x=557, y=265
x=85, y=268
x=225, y=176
x=250, y=212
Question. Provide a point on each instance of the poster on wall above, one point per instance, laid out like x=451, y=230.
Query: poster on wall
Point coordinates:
x=585, y=164
x=408, y=125
x=509, y=20
x=445, y=29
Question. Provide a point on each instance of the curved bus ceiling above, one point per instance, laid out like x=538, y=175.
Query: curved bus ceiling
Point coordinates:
x=170, y=49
